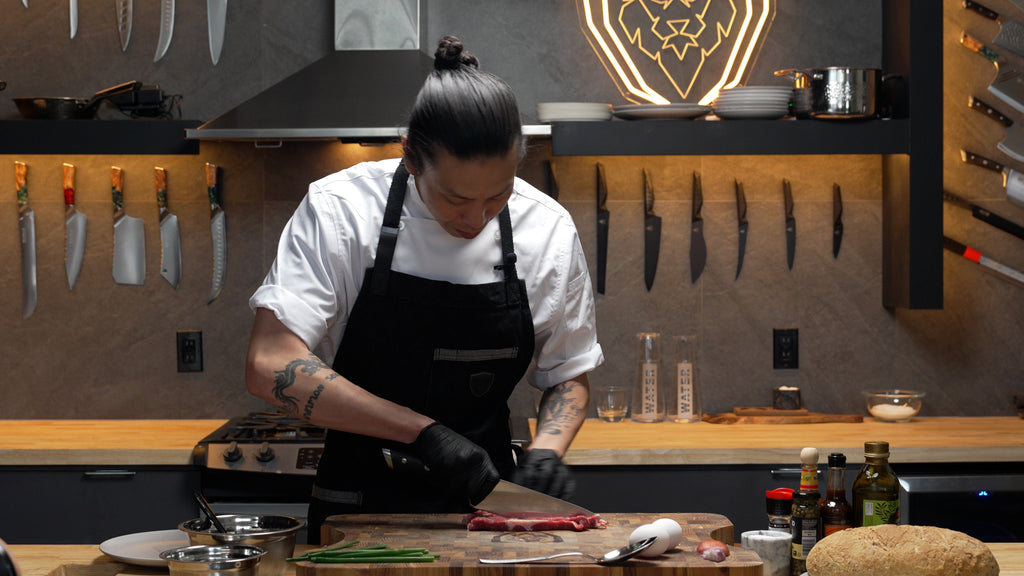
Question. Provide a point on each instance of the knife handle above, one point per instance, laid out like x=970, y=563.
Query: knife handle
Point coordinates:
x=403, y=462
x=69, y=184
x=21, y=180
x=698, y=196
x=977, y=160
x=974, y=45
x=116, y=187
x=212, y=185
x=741, y=201
x=160, y=175
x=989, y=111
x=787, y=197
x=984, y=11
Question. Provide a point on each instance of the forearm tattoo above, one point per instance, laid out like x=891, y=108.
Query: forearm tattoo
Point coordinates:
x=285, y=379
x=559, y=408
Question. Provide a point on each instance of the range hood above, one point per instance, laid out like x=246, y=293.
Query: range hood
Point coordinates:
x=351, y=95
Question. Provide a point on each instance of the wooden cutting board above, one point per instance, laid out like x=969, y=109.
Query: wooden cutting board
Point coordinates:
x=460, y=549
x=773, y=416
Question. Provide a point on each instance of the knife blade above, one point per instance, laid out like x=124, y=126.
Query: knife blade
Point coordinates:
x=507, y=498
x=73, y=16
x=984, y=215
x=652, y=233
x=1009, y=84
x=74, y=229
x=698, y=250
x=787, y=195
x=216, y=20
x=837, y=219
x=1013, y=180
x=1011, y=32
x=124, y=22
x=218, y=231
x=166, y=29
x=741, y=218
x=1013, y=136
x=603, y=222
x=129, y=237
x=998, y=269
x=27, y=227
x=170, y=241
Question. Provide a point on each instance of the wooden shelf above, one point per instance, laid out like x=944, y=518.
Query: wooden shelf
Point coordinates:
x=97, y=137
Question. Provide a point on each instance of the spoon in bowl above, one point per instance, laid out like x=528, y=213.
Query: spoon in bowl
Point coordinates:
x=208, y=511
x=613, y=557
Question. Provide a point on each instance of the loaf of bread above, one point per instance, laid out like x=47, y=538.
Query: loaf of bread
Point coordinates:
x=891, y=550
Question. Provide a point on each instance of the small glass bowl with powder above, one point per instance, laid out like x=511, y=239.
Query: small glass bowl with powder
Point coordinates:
x=894, y=405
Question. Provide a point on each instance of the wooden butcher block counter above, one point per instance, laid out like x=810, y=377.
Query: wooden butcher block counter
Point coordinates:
x=460, y=549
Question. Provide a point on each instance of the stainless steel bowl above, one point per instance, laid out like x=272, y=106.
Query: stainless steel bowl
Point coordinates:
x=213, y=560
x=275, y=534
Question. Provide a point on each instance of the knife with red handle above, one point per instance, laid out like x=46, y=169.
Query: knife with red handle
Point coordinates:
x=999, y=269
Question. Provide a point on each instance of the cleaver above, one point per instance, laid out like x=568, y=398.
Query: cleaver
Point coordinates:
x=506, y=498
x=1011, y=32
x=129, y=237
x=1009, y=84
x=1013, y=138
x=170, y=241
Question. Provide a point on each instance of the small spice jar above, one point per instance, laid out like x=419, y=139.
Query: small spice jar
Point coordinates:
x=779, y=503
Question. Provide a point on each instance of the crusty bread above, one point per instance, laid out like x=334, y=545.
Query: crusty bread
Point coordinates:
x=891, y=550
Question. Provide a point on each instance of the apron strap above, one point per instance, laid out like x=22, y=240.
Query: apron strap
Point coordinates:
x=389, y=230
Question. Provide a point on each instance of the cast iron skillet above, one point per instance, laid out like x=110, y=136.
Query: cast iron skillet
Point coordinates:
x=69, y=108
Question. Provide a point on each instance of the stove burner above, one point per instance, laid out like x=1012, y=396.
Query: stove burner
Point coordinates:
x=270, y=427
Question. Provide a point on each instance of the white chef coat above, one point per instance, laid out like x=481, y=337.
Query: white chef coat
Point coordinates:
x=332, y=237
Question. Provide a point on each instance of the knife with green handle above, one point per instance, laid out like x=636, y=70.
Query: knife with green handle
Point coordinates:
x=27, y=227
x=129, y=237
x=170, y=241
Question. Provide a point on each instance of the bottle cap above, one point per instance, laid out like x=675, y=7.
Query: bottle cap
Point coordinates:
x=837, y=460
x=876, y=449
x=779, y=501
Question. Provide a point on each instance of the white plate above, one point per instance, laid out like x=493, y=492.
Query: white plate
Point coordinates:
x=144, y=548
x=573, y=111
x=644, y=111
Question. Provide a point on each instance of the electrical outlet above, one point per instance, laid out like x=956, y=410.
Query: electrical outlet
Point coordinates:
x=785, y=348
x=190, y=351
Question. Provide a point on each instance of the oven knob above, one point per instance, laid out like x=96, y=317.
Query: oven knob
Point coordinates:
x=265, y=453
x=232, y=453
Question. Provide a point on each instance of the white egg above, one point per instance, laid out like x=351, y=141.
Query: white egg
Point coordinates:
x=647, y=531
x=675, y=531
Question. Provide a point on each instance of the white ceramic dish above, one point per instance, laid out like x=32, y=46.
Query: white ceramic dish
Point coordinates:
x=573, y=111
x=144, y=548
x=647, y=111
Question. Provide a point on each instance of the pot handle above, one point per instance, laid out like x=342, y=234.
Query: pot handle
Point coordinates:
x=892, y=97
x=793, y=73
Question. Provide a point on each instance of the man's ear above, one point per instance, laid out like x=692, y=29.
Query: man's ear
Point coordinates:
x=409, y=158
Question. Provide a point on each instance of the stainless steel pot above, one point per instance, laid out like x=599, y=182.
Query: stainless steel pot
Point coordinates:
x=839, y=92
x=275, y=534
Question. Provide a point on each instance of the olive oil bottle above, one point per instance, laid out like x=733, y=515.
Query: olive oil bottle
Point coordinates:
x=876, y=489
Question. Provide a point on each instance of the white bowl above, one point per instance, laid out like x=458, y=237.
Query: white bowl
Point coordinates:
x=894, y=405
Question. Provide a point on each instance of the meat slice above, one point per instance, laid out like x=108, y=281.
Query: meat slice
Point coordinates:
x=531, y=522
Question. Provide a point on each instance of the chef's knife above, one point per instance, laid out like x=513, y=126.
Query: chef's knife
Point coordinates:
x=74, y=229
x=1008, y=85
x=216, y=18
x=1012, y=179
x=129, y=237
x=166, y=28
x=218, y=231
x=124, y=22
x=27, y=226
x=1013, y=137
x=787, y=194
x=984, y=215
x=652, y=233
x=837, y=219
x=73, y=16
x=1011, y=33
x=170, y=242
x=741, y=217
x=999, y=269
x=603, y=221
x=506, y=498
x=698, y=250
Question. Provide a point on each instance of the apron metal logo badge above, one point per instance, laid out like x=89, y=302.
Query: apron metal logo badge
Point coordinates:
x=663, y=51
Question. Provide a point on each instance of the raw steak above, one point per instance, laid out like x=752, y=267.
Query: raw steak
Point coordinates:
x=531, y=522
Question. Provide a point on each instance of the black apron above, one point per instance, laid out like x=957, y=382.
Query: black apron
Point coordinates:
x=453, y=352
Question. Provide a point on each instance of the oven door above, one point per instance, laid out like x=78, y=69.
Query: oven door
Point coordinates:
x=989, y=507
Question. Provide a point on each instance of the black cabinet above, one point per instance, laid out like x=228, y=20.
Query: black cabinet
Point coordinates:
x=90, y=504
x=97, y=137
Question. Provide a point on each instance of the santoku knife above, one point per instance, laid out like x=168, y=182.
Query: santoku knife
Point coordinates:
x=652, y=233
x=1011, y=33
x=603, y=222
x=170, y=241
x=129, y=237
x=27, y=226
x=124, y=22
x=787, y=194
x=741, y=217
x=74, y=229
x=999, y=269
x=698, y=250
x=1013, y=137
x=837, y=219
x=166, y=29
x=218, y=231
x=985, y=216
x=1009, y=84
x=216, y=19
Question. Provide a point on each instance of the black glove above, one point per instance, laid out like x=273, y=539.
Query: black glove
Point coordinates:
x=461, y=463
x=543, y=470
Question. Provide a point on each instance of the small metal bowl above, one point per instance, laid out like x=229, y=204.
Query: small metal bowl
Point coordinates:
x=213, y=560
x=275, y=534
x=894, y=405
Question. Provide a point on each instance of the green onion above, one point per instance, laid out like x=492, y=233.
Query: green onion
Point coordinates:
x=377, y=553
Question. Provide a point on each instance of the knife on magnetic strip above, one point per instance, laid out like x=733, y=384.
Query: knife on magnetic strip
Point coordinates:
x=603, y=221
x=124, y=22
x=837, y=219
x=216, y=18
x=787, y=194
x=652, y=233
x=27, y=226
x=170, y=241
x=698, y=250
x=218, y=231
x=166, y=29
x=998, y=269
x=74, y=229
x=129, y=237
x=741, y=217
x=984, y=215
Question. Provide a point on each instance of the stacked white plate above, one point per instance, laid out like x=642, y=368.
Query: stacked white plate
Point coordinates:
x=644, y=111
x=573, y=111
x=761, y=102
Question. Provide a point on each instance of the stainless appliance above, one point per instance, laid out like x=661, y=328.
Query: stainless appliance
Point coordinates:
x=989, y=507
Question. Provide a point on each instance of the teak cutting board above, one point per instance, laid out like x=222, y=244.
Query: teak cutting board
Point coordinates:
x=460, y=550
x=775, y=416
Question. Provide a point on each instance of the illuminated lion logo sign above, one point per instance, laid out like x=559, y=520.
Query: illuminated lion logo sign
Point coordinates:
x=657, y=50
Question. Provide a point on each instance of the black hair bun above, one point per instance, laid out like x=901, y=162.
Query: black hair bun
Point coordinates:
x=451, y=55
